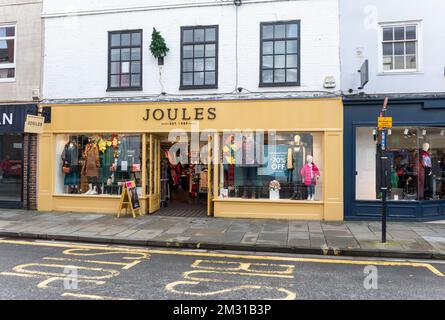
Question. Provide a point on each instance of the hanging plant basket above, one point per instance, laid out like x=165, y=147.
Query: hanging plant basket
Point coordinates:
x=158, y=47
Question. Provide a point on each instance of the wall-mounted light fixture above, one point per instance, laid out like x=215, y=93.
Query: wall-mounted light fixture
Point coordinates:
x=237, y=2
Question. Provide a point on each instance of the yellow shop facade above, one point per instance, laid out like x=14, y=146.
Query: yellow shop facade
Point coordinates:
x=277, y=159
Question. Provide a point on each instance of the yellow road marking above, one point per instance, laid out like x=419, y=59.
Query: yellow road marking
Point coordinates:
x=171, y=287
x=23, y=270
x=234, y=256
x=241, y=266
x=90, y=296
x=127, y=266
x=187, y=275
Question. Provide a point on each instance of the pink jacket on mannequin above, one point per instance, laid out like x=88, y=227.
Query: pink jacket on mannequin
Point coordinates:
x=306, y=174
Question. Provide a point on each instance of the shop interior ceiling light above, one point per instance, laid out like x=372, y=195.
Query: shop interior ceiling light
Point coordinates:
x=389, y=132
x=442, y=132
x=424, y=132
x=406, y=132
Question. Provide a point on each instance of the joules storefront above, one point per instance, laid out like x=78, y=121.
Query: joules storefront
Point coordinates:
x=279, y=159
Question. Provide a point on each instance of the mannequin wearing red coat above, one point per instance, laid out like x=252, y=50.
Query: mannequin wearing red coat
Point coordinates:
x=310, y=174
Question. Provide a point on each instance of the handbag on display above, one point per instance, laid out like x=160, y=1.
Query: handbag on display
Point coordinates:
x=66, y=169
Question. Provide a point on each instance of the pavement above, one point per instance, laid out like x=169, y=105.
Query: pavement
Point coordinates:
x=52, y=270
x=405, y=239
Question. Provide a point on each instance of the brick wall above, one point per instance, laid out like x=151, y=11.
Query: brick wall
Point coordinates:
x=32, y=156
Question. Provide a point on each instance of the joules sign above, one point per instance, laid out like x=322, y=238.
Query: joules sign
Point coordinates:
x=180, y=114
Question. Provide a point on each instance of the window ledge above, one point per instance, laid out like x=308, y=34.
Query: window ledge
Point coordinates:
x=198, y=87
x=124, y=89
x=284, y=201
x=400, y=73
x=7, y=80
x=291, y=84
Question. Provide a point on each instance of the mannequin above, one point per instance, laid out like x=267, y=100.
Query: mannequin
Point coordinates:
x=296, y=153
x=70, y=159
x=425, y=173
x=91, y=166
x=310, y=174
x=249, y=167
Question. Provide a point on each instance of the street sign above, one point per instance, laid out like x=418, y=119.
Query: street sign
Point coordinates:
x=34, y=124
x=385, y=123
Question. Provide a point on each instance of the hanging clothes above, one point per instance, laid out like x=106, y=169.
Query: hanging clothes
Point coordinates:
x=92, y=162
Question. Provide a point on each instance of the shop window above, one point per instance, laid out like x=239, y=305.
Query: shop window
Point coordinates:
x=97, y=164
x=417, y=162
x=400, y=47
x=280, y=166
x=125, y=60
x=7, y=52
x=280, y=54
x=199, y=57
x=11, y=167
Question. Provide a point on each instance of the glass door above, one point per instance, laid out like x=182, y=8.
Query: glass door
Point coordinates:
x=11, y=170
x=154, y=174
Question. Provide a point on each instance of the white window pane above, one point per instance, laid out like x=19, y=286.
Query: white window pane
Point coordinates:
x=187, y=79
x=291, y=75
x=388, y=49
x=292, y=30
x=188, y=52
x=188, y=65
x=210, y=78
x=267, y=32
x=136, y=39
x=125, y=54
x=292, y=46
x=279, y=75
x=135, y=67
x=210, y=34
x=115, y=40
x=292, y=61
x=411, y=32
x=199, y=35
x=411, y=62
x=125, y=39
x=280, y=47
x=210, y=50
x=399, y=33
x=115, y=81
x=268, y=47
x=399, y=48
x=280, y=61
x=125, y=80
x=388, y=63
x=388, y=34
x=136, y=80
x=199, y=78
x=210, y=64
x=115, y=68
x=136, y=54
x=115, y=55
x=399, y=63
x=268, y=62
x=268, y=76
x=199, y=51
x=280, y=31
x=125, y=67
x=411, y=48
x=199, y=65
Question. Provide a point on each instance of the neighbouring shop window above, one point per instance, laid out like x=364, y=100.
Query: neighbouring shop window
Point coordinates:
x=417, y=161
x=281, y=166
x=280, y=54
x=11, y=167
x=199, y=57
x=97, y=164
x=7, y=52
x=400, y=47
x=125, y=60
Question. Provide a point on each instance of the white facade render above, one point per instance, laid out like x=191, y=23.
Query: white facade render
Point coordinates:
x=402, y=40
x=76, y=58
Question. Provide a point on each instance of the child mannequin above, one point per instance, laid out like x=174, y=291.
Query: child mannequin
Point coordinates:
x=310, y=174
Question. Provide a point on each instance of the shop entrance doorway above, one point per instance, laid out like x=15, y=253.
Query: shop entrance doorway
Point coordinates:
x=177, y=185
x=11, y=170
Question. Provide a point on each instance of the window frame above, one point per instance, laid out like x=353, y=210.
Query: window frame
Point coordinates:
x=216, y=42
x=419, y=42
x=280, y=84
x=14, y=64
x=110, y=47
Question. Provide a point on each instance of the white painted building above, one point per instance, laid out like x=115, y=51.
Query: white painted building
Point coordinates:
x=366, y=27
x=77, y=38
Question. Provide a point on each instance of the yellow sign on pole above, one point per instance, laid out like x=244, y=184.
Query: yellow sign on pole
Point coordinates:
x=34, y=124
x=385, y=122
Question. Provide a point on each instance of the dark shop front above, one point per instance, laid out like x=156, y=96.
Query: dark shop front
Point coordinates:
x=416, y=153
x=15, y=158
